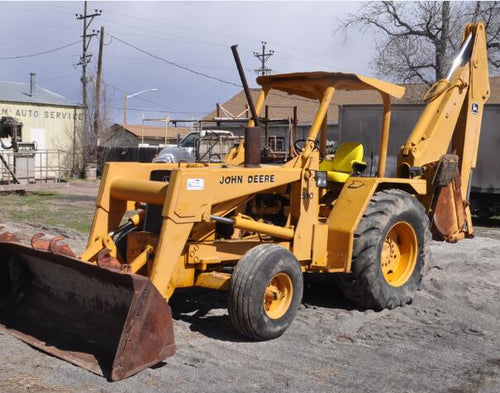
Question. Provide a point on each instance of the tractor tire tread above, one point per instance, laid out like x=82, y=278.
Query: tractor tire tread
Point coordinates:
x=241, y=300
x=365, y=285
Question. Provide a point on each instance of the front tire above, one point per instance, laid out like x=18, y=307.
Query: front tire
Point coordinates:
x=391, y=247
x=265, y=292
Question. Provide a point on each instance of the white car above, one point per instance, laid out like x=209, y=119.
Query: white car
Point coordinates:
x=203, y=146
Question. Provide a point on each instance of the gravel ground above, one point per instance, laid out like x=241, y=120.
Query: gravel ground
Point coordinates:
x=448, y=340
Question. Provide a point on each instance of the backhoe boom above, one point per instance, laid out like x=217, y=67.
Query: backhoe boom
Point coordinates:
x=450, y=123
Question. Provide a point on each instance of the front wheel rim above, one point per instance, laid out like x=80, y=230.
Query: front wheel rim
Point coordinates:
x=399, y=254
x=278, y=296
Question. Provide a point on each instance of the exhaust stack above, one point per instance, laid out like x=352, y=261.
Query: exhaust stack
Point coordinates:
x=252, y=134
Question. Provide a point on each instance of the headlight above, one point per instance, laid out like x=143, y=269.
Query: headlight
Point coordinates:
x=321, y=179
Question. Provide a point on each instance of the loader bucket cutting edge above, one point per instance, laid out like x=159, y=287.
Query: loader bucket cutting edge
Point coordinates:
x=110, y=323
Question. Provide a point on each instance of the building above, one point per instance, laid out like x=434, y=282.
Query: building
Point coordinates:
x=280, y=106
x=136, y=135
x=51, y=121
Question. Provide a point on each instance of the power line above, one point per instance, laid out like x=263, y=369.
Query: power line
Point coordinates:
x=138, y=98
x=164, y=36
x=40, y=53
x=284, y=95
x=183, y=38
x=59, y=77
x=154, y=111
x=165, y=108
x=152, y=102
x=176, y=65
x=162, y=24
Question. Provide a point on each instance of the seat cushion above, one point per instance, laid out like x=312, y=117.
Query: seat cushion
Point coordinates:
x=339, y=177
x=326, y=165
x=345, y=154
x=340, y=167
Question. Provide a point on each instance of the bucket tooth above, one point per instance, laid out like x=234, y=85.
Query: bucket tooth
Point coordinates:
x=7, y=237
x=40, y=242
x=57, y=247
x=106, y=261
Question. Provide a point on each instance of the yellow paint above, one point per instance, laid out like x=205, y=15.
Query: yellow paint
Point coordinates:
x=326, y=98
x=399, y=254
x=278, y=296
x=100, y=243
x=146, y=191
x=213, y=280
x=311, y=84
x=348, y=210
x=268, y=229
x=451, y=121
x=384, y=135
x=140, y=261
x=222, y=251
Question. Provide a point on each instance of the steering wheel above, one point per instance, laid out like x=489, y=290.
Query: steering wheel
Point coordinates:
x=299, y=145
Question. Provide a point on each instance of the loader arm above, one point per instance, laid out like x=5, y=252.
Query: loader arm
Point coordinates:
x=450, y=123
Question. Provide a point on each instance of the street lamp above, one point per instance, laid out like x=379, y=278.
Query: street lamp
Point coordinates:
x=125, y=103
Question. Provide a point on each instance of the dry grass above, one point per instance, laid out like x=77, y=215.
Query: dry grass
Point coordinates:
x=49, y=208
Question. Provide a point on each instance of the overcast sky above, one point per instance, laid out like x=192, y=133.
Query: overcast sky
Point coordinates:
x=194, y=35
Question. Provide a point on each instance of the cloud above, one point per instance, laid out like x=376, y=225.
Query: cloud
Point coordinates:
x=197, y=35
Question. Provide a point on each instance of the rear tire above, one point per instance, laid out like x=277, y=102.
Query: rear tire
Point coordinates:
x=265, y=292
x=391, y=247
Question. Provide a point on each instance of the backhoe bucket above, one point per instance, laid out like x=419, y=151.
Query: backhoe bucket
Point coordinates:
x=113, y=324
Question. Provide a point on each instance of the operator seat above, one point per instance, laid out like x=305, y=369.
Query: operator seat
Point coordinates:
x=348, y=160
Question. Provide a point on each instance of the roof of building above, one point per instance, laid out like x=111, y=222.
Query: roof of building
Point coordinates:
x=149, y=131
x=20, y=92
x=281, y=104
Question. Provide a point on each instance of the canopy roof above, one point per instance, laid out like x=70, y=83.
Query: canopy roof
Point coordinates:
x=312, y=84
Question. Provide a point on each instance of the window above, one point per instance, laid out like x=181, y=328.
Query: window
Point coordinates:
x=189, y=140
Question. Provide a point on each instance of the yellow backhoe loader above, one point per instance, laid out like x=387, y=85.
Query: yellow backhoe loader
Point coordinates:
x=253, y=229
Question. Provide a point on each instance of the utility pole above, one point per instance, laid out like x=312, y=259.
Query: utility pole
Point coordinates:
x=98, y=85
x=86, y=38
x=85, y=60
x=264, y=57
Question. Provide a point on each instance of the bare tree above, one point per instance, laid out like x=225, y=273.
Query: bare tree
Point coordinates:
x=489, y=13
x=90, y=135
x=415, y=41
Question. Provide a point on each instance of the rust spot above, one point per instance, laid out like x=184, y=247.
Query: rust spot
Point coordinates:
x=449, y=214
x=8, y=237
x=110, y=323
x=58, y=248
x=39, y=242
x=107, y=261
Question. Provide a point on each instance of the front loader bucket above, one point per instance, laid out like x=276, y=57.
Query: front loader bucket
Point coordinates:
x=111, y=323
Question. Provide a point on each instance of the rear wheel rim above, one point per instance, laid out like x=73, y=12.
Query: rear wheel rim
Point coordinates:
x=399, y=254
x=278, y=296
